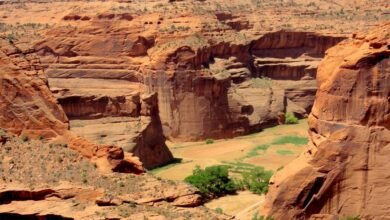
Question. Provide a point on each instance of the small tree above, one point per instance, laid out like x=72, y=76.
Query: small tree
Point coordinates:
x=213, y=181
x=291, y=119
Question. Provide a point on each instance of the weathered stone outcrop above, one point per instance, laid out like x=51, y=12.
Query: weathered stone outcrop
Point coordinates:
x=114, y=113
x=26, y=103
x=60, y=202
x=344, y=169
x=29, y=108
x=97, y=98
x=150, y=144
x=293, y=44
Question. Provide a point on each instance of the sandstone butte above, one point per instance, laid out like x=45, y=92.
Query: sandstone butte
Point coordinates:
x=344, y=170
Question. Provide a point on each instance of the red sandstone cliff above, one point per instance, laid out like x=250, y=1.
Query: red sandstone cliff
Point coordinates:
x=26, y=103
x=27, y=107
x=344, y=170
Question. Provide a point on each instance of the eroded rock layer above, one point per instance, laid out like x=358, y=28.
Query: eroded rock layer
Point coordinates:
x=343, y=172
x=206, y=86
x=28, y=108
x=26, y=103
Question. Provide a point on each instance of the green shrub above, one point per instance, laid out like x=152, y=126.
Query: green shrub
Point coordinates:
x=290, y=118
x=257, y=180
x=219, y=210
x=213, y=181
x=209, y=141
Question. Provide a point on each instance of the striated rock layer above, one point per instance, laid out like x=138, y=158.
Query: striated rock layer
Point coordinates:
x=207, y=85
x=29, y=108
x=26, y=103
x=345, y=168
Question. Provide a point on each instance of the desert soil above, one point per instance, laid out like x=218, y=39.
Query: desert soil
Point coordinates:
x=228, y=151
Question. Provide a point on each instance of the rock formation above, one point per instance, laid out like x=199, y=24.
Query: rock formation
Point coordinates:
x=26, y=103
x=206, y=87
x=343, y=172
x=28, y=108
x=224, y=89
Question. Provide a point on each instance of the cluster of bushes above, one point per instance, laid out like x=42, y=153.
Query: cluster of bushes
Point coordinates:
x=214, y=181
x=255, y=180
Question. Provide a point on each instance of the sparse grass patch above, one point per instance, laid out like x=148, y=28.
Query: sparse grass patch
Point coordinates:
x=255, y=151
x=350, y=218
x=296, y=140
x=176, y=161
x=285, y=152
x=257, y=217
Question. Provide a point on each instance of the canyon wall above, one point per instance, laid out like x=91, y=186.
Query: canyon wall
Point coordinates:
x=343, y=172
x=206, y=86
x=224, y=90
x=28, y=108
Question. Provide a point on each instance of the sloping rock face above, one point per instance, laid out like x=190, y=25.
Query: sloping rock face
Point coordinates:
x=29, y=108
x=26, y=103
x=344, y=169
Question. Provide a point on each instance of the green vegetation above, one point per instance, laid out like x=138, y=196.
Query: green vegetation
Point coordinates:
x=255, y=151
x=239, y=167
x=285, y=152
x=257, y=180
x=257, y=217
x=350, y=218
x=213, y=181
x=251, y=177
x=290, y=118
x=296, y=140
x=219, y=210
x=209, y=141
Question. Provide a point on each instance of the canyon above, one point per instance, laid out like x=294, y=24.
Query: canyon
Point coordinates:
x=110, y=83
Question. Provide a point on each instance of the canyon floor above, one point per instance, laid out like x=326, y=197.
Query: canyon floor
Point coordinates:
x=272, y=149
